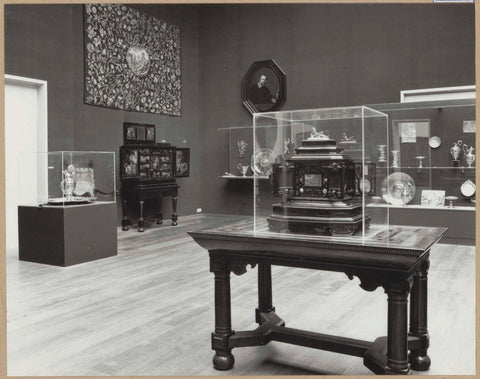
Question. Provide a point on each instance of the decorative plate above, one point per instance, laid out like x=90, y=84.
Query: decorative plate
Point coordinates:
x=262, y=161
x=365, y=185
x=74, y=200
x=451, y=198
x=468, y=188
x=434, y=142
x=398, y=188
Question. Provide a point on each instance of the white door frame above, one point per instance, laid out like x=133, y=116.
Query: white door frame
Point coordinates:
x=41, y=138
x=433, y=94
x=42, y=126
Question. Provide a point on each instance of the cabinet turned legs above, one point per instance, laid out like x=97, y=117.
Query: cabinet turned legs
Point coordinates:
x=124, y=216
x=223, y=358
x=141, y=220
x=397, y=339
x=264, y=291
x=174, y=215
x=159, y=213
x=419, y=360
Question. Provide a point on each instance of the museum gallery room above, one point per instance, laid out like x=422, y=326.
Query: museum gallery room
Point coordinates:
x=240, y=189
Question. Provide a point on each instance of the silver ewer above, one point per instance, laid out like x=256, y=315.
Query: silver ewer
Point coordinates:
x=455, y=150
x=67, y=185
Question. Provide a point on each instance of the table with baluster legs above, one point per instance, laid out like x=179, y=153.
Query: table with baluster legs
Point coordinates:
x=396, y=259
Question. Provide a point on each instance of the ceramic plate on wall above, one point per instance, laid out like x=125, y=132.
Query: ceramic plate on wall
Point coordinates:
x=434, y=142
x=468, y=188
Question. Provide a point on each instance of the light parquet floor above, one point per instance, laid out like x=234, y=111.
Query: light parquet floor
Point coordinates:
x=149, y=311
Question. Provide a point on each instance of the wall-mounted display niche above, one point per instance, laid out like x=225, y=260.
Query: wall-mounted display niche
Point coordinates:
x=234, y=154
x=410, y=161
x=432, y=147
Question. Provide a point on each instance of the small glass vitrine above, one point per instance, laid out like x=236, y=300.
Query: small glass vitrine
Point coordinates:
x=66, y=178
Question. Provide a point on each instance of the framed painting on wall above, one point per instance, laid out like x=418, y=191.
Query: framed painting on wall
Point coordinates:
x=182, y=162
x=138, y=133
x=264, y=87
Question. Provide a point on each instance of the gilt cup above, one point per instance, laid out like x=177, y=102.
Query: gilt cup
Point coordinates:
x=242, y=169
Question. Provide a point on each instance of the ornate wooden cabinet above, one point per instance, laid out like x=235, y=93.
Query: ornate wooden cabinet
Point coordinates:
x=321, y=198
x=149, y=171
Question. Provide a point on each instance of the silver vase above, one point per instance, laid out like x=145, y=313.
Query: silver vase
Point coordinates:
x=470, y=157
x=395, y=158
x=382, y=150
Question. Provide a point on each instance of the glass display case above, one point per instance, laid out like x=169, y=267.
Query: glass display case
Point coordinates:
x=66, y=178
x=326, y=168
x=432, y=147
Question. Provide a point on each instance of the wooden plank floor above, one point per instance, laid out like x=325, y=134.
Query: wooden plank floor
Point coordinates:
x=149, y=311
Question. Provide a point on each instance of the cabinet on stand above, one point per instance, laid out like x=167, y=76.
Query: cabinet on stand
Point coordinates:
x=149, y=171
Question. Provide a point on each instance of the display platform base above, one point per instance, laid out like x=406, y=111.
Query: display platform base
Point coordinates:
x=330, y=218
x=460, y=222
x=65, y=236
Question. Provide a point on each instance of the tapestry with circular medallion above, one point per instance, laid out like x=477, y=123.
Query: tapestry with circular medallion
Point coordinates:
x=132, y=61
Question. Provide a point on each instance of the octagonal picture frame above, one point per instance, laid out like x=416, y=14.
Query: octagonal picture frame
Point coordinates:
x=264, y=87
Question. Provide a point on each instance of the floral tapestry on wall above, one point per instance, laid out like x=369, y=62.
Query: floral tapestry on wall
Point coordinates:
x=132, y=61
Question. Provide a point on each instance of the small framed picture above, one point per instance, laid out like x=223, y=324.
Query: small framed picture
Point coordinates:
x=129, y=163
x=469, y=126
x=141, y=133
x=182, y=162
x=134, y=133
x=150, y=133
x=431, y=198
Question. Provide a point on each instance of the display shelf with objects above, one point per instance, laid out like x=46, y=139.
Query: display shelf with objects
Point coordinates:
x=431, y=186
x=433, y=158
x=327, y=170
x=434, y=143
x=66, y=207
x=238, y=156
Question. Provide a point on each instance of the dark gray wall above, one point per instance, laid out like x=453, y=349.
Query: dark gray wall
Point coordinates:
x=333, y=55
x=46, y=42
x=38, y=44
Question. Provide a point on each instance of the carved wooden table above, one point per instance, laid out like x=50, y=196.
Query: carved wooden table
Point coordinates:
x=396, y=259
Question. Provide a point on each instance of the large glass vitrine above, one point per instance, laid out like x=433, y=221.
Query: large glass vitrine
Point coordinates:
x=326, y=167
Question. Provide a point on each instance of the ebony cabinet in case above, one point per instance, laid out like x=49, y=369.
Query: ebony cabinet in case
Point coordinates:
x=325, y=171
x=149, y=171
